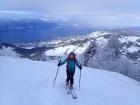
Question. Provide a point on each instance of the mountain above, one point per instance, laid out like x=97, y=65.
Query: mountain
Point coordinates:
x=24, y=81
x=108, y=50
x=127, y=45
x=115, y=52
x=12, y=50
x=119, y=43
x=45, y=50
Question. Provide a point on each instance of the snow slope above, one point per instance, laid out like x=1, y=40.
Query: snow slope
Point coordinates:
x=60, y=51
x=26, y=82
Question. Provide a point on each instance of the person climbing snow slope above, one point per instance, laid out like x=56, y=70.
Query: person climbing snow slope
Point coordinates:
x=70, y=68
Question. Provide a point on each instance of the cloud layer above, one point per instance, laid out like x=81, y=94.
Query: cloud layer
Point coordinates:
x=91, y=12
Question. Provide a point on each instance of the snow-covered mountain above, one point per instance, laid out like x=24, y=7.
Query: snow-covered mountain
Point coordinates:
x=44, y=50
x=12, y=50
x=119, y=43
x=128, y=45
x=114, y=51
x=119, y=52
x=27, y=82
x=131, y=46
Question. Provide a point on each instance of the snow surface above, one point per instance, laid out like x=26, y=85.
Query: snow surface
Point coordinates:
x=102, y=41
x=97, y=34
x=26, y=82
x=133, y=39
x=8, y=51
x=60, y=51
x=127, y=39
x=133, y=49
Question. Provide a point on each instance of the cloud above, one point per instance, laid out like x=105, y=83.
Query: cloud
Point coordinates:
x=99, y=12
x=71, y=6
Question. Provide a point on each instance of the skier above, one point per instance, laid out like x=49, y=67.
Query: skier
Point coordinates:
x=70, y=68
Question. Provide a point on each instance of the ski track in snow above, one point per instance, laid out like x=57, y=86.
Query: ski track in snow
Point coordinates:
x=26, y=82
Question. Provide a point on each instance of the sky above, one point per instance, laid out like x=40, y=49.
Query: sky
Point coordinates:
x=88, y=12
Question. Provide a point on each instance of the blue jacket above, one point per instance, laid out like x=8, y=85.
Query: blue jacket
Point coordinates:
x=71, y=64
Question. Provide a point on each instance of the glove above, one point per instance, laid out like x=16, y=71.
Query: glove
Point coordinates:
x=59, y=64
x=80, y=67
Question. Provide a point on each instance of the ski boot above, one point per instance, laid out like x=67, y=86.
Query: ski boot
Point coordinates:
x=71, y=86
x=67, y=83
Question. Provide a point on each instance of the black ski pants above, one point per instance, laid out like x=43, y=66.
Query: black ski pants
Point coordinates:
x=70, y=76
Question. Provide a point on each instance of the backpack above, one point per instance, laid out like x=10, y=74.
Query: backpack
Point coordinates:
x=70, y=59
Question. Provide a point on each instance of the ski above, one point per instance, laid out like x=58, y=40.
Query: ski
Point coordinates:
x=68, y=89
x=72, y=91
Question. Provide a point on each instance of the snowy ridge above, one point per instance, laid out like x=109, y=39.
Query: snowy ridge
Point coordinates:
x=53, y=49
x=60, y=51
x=129, y=41
x=97, y=34
x=26, y=82
x=8, y=52
x=78, y=44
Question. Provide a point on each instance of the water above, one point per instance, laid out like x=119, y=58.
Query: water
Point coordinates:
x=24, y=35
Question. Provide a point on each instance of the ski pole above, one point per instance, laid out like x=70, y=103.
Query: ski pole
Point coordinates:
x=79, y=79
x=56, y=76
